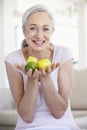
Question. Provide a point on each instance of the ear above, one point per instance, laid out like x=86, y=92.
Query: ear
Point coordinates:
x=53, y=29
x=24, y=31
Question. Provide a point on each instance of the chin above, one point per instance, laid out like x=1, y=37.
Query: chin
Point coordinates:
x=39, y=48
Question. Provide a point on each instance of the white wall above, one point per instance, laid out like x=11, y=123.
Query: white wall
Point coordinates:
x=82, y=34
x=7, y=34
x=86, y=31
x=9, y=7
x=1, y=46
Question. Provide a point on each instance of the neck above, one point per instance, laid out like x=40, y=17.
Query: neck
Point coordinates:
x=46, y=53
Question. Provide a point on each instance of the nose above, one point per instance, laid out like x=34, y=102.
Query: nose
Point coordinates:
x=39, y=33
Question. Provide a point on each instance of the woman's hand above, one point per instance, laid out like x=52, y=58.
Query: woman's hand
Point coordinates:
x=38, y=73
x=30, y=73
x=48, y=70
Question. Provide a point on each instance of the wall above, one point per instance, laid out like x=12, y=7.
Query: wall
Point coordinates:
x=7, y=35
x=82, y=32
x=2, y=75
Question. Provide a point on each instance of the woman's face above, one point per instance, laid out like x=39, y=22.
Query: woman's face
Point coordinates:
x=38, y=31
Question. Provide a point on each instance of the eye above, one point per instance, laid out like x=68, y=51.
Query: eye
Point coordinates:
x=46, y=29
x=32, y=28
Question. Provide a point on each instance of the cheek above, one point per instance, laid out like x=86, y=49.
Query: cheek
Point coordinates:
x=49, y=36
x=29, y=34
x=46, y=34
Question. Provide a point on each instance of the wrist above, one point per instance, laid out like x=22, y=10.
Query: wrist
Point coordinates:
x=32, y=82
x=45, y=79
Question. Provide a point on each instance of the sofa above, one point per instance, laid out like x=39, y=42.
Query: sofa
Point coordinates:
x=78, y=98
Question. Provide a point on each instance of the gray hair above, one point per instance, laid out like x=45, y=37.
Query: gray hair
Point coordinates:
x=35, y=9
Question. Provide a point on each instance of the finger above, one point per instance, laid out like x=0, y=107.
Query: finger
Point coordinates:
x=53, y=66
x=49, y=69
x=58, y=64
x=36, y=73
x=42, y=71
x=29, y=72
x=20, y=67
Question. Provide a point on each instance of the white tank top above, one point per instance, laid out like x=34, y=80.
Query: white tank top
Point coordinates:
x=43, y=116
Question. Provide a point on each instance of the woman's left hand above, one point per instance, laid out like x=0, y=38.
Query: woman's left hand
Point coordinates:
x=49, y=69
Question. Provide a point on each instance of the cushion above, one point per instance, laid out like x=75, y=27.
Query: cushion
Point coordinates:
x=8, y=117
x=79, y=113
x=82, y=122
x=6, y=99
x=79, y=90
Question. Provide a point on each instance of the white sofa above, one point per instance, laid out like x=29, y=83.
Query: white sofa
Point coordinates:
x=79, y=97
x=8, y=113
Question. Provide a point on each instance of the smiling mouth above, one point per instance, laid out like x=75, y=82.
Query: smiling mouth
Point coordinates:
x=38, y=42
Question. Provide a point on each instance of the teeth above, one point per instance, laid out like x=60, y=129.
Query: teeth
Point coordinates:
x=38, y=42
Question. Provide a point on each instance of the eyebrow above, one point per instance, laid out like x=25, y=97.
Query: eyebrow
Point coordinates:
x=36, y=25
x=32, y=25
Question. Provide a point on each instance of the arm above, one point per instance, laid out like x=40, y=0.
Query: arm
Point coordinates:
x=25, y=101
x=58, y=101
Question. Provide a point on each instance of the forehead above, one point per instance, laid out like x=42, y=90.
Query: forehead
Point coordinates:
x=39, y=18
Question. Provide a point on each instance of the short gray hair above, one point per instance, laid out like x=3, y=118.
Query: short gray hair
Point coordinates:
x=34, y=9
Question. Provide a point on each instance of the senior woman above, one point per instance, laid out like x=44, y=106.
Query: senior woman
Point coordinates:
x=41, y=97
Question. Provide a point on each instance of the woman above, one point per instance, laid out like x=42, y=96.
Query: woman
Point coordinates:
x=41, y=97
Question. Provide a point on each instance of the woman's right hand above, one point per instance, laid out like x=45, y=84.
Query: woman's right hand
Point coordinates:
x=30, y=73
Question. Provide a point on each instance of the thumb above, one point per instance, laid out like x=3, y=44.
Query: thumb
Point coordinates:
x=18, y=66
x=58, y=64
